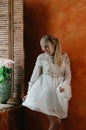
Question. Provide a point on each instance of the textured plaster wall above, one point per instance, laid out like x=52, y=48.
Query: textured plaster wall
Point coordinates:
x=66, y=20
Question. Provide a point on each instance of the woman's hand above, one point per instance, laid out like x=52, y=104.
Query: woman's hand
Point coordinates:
x=61, y=89
x=23, y=99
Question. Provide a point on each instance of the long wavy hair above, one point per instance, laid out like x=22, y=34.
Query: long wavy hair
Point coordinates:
x=56, y=46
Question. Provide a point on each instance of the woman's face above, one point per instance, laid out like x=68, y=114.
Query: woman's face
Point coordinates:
x=48, y=48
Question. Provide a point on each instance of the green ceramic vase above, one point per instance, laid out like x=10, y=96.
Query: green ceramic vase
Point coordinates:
x=5, y=91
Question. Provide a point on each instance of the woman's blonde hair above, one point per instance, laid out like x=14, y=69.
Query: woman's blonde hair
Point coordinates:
x=57, y=47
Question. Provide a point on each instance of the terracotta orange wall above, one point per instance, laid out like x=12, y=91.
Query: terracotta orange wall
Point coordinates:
x=65, y=19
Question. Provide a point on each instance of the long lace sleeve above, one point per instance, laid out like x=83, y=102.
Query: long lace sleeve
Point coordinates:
x=67, y=76
x=36, y=73
x=67, y=79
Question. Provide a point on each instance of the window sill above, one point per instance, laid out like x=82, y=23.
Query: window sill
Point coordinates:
x=5, y=106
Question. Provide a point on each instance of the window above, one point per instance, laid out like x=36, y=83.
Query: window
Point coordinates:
x=11, y=40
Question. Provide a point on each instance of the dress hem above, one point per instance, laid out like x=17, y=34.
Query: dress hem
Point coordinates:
x=34, y=109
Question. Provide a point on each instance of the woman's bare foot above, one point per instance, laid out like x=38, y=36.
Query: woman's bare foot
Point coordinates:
x=55, y=123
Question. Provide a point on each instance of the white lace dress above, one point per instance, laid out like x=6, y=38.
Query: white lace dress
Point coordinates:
x=43, y=92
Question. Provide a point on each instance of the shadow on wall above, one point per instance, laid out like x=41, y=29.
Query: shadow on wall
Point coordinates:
x=35, y=17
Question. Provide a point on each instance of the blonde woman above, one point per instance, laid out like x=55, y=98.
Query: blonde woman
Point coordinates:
x=49, y=88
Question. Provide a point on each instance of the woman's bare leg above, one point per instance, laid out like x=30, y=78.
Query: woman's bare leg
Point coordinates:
x=55, y=123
